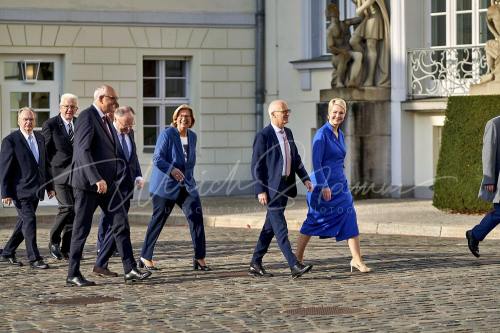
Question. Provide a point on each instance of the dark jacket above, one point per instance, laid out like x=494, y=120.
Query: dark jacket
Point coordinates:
x=129, y=170
x=267, y=163
x=59, y=148
x=21, y=176
x=95, y=152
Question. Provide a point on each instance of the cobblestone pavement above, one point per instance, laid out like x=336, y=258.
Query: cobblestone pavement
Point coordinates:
x=419, y=284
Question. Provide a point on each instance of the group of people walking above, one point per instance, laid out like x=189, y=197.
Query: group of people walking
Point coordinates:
x=91, y=161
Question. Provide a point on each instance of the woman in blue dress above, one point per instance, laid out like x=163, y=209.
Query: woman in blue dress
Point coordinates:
x=331, y=212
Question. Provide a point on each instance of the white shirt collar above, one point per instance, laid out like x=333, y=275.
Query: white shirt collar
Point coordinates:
x=101, y=114
x=65, y=121
x=277, y=129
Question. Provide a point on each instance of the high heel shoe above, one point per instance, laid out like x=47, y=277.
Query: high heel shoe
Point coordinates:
x=360, y=267
x=198, y=266
x=141, y=264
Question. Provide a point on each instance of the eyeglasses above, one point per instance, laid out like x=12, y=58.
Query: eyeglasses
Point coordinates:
x=113, y=98
x=287, y=111
x=69, y=107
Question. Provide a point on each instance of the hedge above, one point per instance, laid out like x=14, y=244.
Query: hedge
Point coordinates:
x=459, y=169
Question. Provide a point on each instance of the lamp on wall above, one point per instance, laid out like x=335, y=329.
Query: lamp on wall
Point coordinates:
x=29, y=70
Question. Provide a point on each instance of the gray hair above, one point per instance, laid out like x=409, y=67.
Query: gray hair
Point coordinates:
x=21, y=110
x=68, y=96
x=101, y=91
x=124, y=110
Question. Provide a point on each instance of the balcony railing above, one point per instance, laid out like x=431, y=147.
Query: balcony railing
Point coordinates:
x=442, y=72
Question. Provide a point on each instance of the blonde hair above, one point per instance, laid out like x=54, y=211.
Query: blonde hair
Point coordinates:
x=179, y=109
x=337, y=101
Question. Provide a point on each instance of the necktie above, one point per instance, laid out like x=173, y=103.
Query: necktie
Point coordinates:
x=71, y=134
x=33, y=147
x=125, y=147
x=106, y=126
x=288, y=156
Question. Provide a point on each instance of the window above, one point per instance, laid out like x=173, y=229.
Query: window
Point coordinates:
x=38, y=101
x=459, y=22
x=165, y=86
x=14, y=71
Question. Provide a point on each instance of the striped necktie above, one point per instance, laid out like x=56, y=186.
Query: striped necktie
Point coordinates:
x=71, y=134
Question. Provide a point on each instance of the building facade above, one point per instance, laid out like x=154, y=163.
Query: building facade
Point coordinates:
x=161, y=53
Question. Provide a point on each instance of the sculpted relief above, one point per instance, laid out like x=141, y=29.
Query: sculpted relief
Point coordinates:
x=360, y=59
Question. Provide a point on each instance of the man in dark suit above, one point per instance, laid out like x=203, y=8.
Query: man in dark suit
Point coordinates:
x=25, y=176
x=129, y=173
x=59, y=132
x=93, y=178
x=275, y=161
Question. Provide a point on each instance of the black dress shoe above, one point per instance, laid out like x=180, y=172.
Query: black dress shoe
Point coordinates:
x=198, y=266
x=79, y=281
x=299, y=269
x=12, y=260
x=38, y=264
x=55, y=251
x=136, y=275
x=257, y=270
x=473, y=243
x=65, y=255
x=103, y=272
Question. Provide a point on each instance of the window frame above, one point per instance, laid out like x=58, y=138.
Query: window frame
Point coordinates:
x=451, y=14
x=162, y=102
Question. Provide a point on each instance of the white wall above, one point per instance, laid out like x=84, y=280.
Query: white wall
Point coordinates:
x=222, y=79
x=284, y=24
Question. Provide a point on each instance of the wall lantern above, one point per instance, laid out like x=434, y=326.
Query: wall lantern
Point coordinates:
x=29, y=70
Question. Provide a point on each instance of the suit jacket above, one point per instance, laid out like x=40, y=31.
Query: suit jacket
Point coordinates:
x=95, y=152
x=169, y=154
x=129, y=170
x=59, y=148
x=491, y=160
x=21, y=176
x=267, y=163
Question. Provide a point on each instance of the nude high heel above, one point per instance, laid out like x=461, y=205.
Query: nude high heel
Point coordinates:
x=360, y=267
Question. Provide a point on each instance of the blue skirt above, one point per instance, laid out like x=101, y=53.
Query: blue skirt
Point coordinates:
x=334, y=218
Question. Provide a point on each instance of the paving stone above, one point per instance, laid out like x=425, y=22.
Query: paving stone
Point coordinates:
x=419, y=284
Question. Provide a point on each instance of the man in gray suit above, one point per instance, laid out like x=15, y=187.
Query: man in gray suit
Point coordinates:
x=489, y=190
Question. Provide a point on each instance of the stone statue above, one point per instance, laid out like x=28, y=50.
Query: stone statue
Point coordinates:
x=337, y=38
x=374, y=31
x=492, y=46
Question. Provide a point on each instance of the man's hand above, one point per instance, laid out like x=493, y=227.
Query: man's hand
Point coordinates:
x=102, y=187
x=7, y=201
x=326, y=193
x=139, y=182
x=177, y=174
x=490, y=188
x=262, y=198
x=51, y=194
x=309, y=186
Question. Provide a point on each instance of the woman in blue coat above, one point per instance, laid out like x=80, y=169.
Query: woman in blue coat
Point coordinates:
x=172, y=182
x=331, y=212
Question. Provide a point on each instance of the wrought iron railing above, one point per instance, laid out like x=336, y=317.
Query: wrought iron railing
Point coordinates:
x=441, y=72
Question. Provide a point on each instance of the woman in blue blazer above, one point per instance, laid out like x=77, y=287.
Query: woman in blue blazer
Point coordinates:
x=172, y=182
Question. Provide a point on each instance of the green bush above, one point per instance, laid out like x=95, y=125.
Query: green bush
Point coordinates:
x=459, y=169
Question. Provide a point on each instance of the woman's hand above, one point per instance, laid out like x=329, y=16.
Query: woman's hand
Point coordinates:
x=326, y=193
x=177, y=174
